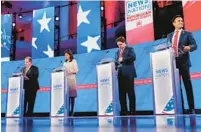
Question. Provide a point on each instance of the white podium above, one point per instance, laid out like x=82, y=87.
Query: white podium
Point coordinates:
x=165, y=80
x=15, y=96
x=108, y=101
x=59, y=94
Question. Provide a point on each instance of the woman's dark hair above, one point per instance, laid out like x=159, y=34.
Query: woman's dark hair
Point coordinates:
x=68, y=51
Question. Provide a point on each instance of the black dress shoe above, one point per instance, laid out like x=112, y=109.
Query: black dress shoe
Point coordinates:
x=71, y=113
x=192, y=112
x=132, y=113
x=123, y=113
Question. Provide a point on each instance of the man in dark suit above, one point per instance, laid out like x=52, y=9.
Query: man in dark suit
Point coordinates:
x=183, y=43
x=31, y=85
x=126, y=74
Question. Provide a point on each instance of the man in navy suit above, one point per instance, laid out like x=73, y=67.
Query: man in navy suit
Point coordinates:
x=126, y=74
x=183, y=43
x=31, y=85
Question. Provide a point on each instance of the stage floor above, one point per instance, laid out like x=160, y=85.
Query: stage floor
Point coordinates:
x=179, y=123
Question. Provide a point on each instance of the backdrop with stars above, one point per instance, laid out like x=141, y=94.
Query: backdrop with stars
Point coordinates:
x=43, y=33
x=6, y=32
x=88, y=27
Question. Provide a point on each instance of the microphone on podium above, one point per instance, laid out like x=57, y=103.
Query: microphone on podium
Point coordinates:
x=59, y=67
x=17, y=72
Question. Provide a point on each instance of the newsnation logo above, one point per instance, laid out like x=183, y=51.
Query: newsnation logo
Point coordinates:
x=13, y=90
x=105, y=81
x=57, y=87
x=161, y=73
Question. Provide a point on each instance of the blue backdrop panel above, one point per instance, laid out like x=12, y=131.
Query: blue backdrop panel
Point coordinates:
x=6, y=35
x=88, y=27
x=43, y=33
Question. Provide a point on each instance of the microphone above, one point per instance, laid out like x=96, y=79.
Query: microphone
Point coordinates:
x=180, y=52
x=159, y=45
x=161, y=39
x=104, y=60
x=17, y=72
x=61, y=62
x=59, y=67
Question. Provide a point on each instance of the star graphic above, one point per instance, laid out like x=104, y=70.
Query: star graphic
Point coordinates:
x=44, y=23
x=34, y=42
x=34, y=13
x=4, y=35
x=49, y=52
x=5, y=39
x=91, y=43
x=5, y=59
x=82, y=16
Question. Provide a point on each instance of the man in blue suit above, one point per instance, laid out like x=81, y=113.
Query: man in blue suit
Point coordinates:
x=126, y=74
x=183, y=43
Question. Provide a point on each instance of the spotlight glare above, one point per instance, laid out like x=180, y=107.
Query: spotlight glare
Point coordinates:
x=20, y=16
x=13, y=24
x=57, y=18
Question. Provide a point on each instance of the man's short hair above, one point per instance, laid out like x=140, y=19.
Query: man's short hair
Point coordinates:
x=29, y=58
x=173, y=19
x=121, y=39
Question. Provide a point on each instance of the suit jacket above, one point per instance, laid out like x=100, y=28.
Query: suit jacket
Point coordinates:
x=31, y=84
x=127, y=70
x=186, y=39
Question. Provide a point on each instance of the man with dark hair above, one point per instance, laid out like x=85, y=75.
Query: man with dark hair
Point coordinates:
x=183, y=43
x=31, y=85
x=126, y=74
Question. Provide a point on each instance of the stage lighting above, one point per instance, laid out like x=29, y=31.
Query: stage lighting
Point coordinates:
x=102, y=8
x=14, y=24
x=57, y=18
x=20, y=16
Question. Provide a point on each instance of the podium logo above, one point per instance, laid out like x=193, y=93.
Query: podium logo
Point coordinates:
x=160, y=73
x=105, y=81
x=58, y=86
x=13, y=90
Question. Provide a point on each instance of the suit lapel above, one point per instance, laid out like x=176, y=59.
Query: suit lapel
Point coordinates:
x=118, y=53
x=181, y=38
x=28, y=71
x=124, y=51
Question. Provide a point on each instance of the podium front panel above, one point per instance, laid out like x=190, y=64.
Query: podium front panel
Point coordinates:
x=105, y=89
x=15, y=97
x=58, y=92
x=162, y=71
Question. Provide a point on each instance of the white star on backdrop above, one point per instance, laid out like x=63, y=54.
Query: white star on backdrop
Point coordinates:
x=34, y=42
x=5, y=39
x=82, y=16
x=91, y=43
x=44, y=23
x=49, y=52
x=34, y=13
